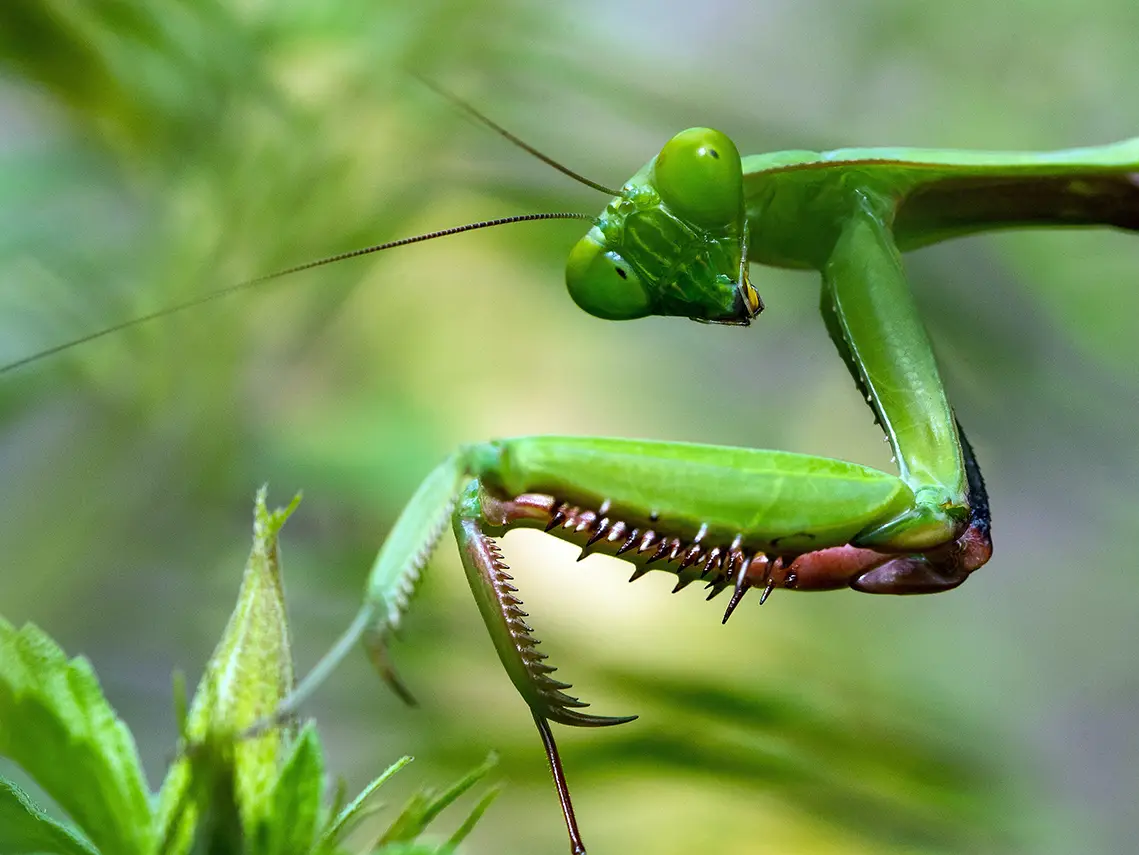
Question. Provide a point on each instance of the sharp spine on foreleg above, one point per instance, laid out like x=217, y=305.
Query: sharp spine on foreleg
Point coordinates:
x=648, y=541
x=720, y=565
x=602, y=530
x=585, y=520
x=629, y=542
x=557, y=518
x=549, y=699
x=660, y=553
x=691, y=556
x=711, y=561
x=742, y=587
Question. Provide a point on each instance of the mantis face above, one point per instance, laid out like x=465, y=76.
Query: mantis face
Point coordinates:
x=674, y=242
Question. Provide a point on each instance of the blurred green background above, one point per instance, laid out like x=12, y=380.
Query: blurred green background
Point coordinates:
x=150, y=152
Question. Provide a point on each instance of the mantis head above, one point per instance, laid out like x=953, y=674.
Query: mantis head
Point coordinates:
x=673, y=242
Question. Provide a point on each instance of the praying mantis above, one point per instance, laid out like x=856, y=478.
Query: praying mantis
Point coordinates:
x=677, y=239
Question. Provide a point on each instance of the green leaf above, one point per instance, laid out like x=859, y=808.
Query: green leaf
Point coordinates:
x=422, y=808
x=363, y=805
x=55, y=722
x=295, y=804
x=25, y=829
x=248, y=675
x=474, y=816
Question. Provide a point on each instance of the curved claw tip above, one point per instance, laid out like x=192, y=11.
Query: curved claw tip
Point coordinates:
x=610, y=720
x=575, y=719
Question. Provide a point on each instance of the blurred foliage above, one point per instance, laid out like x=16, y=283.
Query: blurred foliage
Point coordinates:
x=227, y=792
x=150, y=152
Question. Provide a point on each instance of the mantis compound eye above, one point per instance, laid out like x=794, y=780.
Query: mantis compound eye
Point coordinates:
x=699, y=176
x=602, y=283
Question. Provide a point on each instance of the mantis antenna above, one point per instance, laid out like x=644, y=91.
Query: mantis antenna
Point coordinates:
x=343, y=256
x=269, y=277
x=475, y=114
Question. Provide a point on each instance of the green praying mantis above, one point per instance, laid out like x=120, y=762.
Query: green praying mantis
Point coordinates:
x=677, y=239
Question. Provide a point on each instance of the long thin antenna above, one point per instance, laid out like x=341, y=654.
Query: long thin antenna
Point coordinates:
x=268, y=277
x=501, y=131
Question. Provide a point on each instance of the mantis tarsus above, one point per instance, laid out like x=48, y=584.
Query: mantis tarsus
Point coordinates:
x=677, y=239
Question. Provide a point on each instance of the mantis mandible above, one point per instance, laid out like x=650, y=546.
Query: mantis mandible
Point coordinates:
x=677, y=239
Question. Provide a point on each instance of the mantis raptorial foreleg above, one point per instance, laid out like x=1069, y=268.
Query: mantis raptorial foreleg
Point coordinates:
x=729, y=517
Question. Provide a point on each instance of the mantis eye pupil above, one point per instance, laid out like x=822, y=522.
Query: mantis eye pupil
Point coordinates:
x=621, y=272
